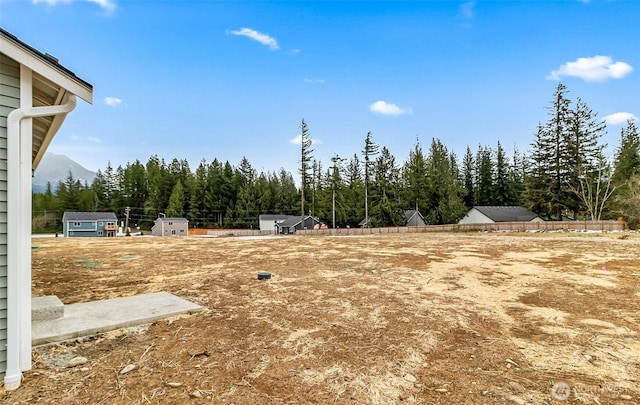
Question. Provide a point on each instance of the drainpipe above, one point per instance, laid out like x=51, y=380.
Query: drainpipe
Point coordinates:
x=19, y=172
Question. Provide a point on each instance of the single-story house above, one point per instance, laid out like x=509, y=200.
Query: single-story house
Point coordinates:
x=165, y=226
x=294, y=223
x=268, y=222
x=492, y=214
x=364, y=223
x=37, y=93
x=81, y=224
x=286, y=224
x=414, y=218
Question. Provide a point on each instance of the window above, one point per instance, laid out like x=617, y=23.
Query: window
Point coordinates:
x=100, y=223
x=100, y=233
x=173, y=232
x=76, y=224
x=170, y=223
x=181, y=230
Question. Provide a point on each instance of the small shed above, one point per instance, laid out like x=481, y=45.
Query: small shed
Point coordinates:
x=83, y=224
x=414, y=218
x=493, y=214
x=167, y=226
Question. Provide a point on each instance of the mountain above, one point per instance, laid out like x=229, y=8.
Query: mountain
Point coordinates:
x=55, y=168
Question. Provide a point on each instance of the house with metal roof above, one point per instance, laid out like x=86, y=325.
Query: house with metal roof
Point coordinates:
x=493, y=214
x=294, y=223
x=92, y=224
x=36, y=94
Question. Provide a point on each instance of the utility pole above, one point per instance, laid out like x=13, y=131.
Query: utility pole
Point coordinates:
x=126, y=222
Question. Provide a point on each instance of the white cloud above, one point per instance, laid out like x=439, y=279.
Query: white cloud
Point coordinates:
x=314, y=80
x=298, y=140
x=94, y=139
x=264, y=39
x=112, y=101
x=382, y=107
x=467, y=10
x=107, y=5
x=596, y=68
x=620, y=118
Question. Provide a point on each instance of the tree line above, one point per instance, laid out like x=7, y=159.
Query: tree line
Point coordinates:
x=564, y=175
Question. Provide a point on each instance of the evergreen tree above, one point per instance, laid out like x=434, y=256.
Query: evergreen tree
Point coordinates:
x=502, y=195
x=354, y=192
x=484, y=194
x=176, y=201
x=627, y=156
x=415, y=179
x=547, y=190
x=444, y=191
x=305, y=164
x=370, y=150
x=584, y=151
x=468, y=175
x=386, y=210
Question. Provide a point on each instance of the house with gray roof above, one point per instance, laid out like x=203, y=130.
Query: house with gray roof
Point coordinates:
x=414, y=218
x=286, y=224
x=89, y=224
x=269, y=222
x=37, y=94
x=493, y=214
x=170, y=226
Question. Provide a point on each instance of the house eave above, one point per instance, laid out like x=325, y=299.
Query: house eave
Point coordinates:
x=44, y=65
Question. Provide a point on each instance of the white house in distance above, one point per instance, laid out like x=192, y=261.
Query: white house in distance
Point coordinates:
x=493, y=214
x=36, y=94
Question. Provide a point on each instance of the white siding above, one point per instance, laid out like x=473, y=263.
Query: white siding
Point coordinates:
x=9, y=100
x=475, y=217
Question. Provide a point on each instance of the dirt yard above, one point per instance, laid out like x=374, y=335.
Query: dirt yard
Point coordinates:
x=412, y=318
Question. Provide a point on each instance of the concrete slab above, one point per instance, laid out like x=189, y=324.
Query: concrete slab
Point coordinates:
x=46, y=308
x=89, y=318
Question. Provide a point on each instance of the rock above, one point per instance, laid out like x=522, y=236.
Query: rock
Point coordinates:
x=516, y=387
x=174, y=384
x=516, y=399
x=128, y=368
x=625, y=396
x=76, y=361
x=410, y=378
x=443, y=390
x=196, y=394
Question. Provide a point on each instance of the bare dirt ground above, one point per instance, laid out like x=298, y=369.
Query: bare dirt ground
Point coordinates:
x=385, y=319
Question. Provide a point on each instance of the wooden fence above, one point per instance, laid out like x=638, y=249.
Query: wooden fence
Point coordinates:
x=605, y=226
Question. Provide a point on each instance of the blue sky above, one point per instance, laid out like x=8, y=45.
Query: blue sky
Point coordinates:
x=226, y=79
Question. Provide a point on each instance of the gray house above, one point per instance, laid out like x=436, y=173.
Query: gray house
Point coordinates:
x=36, y=94
x=414, y=218
x=165, y=226
x=83, y=224
x=294, y=223
x=269, y=222
x=492, y=214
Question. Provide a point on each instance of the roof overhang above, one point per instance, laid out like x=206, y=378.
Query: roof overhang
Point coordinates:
x=51, y=83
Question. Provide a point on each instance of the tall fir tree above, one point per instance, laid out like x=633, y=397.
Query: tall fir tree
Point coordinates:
x=305, y=165
x=468, y=176
x=370, y=150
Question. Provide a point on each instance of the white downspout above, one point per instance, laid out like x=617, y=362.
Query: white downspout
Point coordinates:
x=19, y=172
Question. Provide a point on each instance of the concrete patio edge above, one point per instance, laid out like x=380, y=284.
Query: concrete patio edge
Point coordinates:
x=90, y=318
